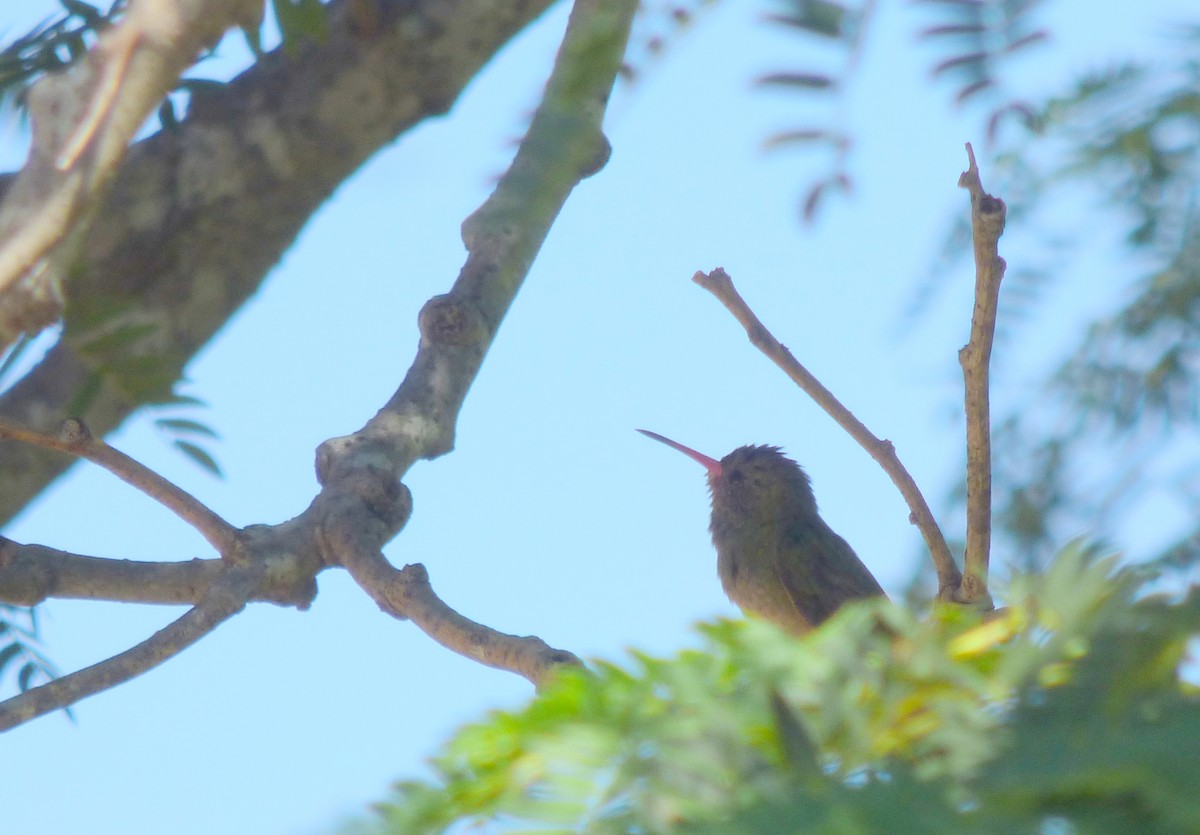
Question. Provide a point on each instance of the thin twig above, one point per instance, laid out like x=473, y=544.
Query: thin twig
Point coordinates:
x=720, y=285
x=987, y=225
x=74, y=437
x=222, y=601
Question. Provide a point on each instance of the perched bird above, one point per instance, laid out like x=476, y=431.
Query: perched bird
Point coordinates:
x=776, y=557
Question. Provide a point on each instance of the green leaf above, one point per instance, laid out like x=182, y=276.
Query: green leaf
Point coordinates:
x=28, y=671
x=116, y=340
x=167, y=116
x=300, y=19
x=798, y=750
x=817, y=17
x=253, y=37
x=183, y=425
x=200, y=456
x=811, y=81
x=10, y=652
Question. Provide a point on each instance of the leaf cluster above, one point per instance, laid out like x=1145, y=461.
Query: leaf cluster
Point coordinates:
x=973, y=40
x=1067, y=705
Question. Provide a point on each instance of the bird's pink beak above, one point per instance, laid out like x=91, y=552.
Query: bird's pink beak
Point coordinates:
x=711, y=464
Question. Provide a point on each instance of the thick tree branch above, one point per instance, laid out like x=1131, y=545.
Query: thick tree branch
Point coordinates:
x=720, y=285
x=199, y=213
x=987, y=225
x=222, y=601
x=83, y=119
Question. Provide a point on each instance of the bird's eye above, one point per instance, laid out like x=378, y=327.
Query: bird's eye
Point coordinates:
x=736, y=476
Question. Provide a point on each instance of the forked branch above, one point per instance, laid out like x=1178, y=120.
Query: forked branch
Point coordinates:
x=223, y=600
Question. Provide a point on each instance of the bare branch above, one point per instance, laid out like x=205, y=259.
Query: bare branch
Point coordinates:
x=987, y=225
x=222, y=601
x=564, y=144
x=74, y=437
x=720, y=285
x=362, y=503
x=408, y=594
x=83, y=120
x=32, y=574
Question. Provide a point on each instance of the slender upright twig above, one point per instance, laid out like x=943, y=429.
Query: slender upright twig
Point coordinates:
x=987, y=225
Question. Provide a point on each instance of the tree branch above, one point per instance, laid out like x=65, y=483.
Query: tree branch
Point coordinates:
x=407, y=594
x=32, y=574
x=74, y=437
x=222, y=601
x=720, y=285
x=362, y=505
x=987, y=225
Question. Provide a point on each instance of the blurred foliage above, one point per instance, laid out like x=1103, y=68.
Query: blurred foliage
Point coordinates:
x=656, y=25
x=53, y=43
x=972, y=39
x=298, y=20
x=977, y=38
x=1115, y=423
x=21, y=657
x=835, y=31
x=60, y=40
x=1067, y=706
x=126, y=353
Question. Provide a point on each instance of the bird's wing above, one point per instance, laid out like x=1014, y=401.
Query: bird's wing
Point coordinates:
x=820, y=571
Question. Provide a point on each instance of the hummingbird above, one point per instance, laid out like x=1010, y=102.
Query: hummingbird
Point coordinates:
x=776, y=557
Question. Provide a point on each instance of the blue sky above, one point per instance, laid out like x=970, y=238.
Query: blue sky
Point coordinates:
x=552, y=516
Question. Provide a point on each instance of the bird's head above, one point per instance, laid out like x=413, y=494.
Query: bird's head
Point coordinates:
x=752, y=481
